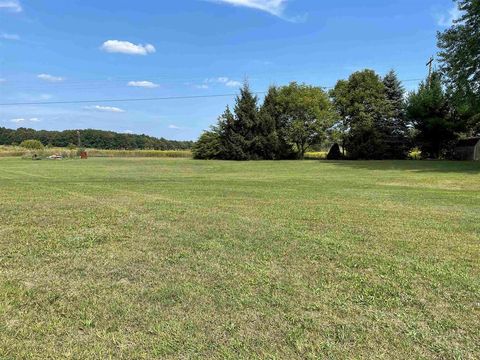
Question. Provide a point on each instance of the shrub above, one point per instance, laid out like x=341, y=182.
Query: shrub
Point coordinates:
x=315, y=155
x=207, y=147
x=335, y=153
x=415, y=154
x=32, y=145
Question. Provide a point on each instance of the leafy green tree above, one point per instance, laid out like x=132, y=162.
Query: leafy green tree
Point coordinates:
x=429, y=111
x=91, y=139
x=362, y=104
x=32, y=145
x=305, y=115
x=460, y=63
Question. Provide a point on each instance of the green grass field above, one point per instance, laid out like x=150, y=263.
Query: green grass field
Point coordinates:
x=176, y=258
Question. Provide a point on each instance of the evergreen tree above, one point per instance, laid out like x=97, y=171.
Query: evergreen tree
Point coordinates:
x=334, y=153
x=394, y=126
x=246, y=122
x=233, y=145
x=208, y=146
x=460, y=63
x=429, y=111
x=274, y=143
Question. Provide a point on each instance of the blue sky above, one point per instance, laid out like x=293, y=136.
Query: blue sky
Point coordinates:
x=53, y=51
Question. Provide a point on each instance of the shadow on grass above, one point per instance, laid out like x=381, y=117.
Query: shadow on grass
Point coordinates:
x=467, y=167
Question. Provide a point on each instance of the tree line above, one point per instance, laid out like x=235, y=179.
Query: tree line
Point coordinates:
x=367, y=116
x=89, y=138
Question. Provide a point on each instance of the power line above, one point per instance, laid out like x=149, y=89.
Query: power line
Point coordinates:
x=147, y=99
x=125, y=100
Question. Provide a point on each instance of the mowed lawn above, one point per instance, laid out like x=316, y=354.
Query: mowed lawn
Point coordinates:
x=176, y=258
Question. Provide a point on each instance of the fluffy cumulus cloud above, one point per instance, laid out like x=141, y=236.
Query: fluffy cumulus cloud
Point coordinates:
x=101, y=108
x=11, y=5
x=274, y=7
x=50, y=78
x=126, y=47
x=143, y=84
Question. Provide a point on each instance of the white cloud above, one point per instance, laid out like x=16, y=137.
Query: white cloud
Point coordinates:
x=225, y=81
x=101, y=108
x=202, y=86
x=128, y=132
x=6, y=36
x=144, y=84
x=126, y=47
x=23, y=120
x=447, y=20
x=174, y=127
x=11, y=5
x=50, y=78
x=45, y=96
x=233, y=83
x=274, y=7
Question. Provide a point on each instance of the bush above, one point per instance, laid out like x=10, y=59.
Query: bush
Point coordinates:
x=207, y=147
x=415, y=154
x=335, y=153
x=315, y=155
x=32, y=145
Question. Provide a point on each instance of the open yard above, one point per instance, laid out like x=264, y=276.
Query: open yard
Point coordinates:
x=176, y=258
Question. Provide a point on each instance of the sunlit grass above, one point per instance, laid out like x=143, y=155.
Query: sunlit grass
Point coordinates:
x=176, y=258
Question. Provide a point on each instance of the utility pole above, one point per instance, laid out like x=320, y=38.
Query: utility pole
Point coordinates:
x=79, y=139
x=430, y=64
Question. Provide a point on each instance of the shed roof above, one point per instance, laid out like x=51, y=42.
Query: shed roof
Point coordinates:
x=468, y=142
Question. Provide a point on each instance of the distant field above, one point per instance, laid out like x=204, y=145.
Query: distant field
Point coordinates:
x=176, y=258
x=15, y=151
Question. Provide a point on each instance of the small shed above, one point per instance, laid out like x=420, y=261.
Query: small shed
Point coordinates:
x=468, y=149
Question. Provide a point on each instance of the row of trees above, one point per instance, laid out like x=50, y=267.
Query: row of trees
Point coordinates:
x=369, y=116
x=90, y=138
x=290, y=120
x=365, y=113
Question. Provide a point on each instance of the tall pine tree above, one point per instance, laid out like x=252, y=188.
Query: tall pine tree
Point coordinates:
x=430, y=113
x=394, y=125
x=460, y=63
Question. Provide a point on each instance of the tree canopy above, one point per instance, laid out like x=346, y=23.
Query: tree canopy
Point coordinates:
x=432, y=117
x=97, y=139
x=363, y=107
x=460, y=63
x=291, y=119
